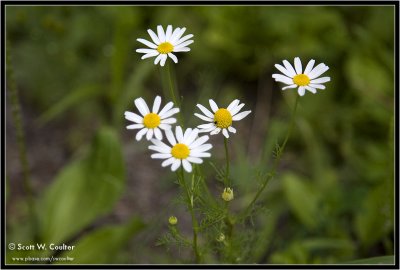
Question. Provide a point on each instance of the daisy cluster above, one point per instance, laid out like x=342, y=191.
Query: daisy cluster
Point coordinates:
x=184, y=147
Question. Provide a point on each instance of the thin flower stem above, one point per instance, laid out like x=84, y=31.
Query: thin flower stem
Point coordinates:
x=227, y=178
x=190, y=199
x=173, y=92
x=276, y=162
x=23, y=156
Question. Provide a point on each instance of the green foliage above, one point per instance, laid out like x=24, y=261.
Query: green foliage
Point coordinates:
x=375, y=260
x=102, y=245
x=84, y=190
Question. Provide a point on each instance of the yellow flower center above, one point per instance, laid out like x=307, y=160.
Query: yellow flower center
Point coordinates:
x=165, y=48
x=222, y=118
x=151, y=120
x=180, y=151
x=301, y=80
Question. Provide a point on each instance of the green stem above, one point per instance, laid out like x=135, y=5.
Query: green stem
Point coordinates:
x=227, y=178
x=190, y=199
x=23, y=156
x=276, y=162
x=173, y=91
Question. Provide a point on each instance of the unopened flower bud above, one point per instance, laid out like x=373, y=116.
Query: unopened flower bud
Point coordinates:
x=172, y=220
x=221, y=237
x=227, y=195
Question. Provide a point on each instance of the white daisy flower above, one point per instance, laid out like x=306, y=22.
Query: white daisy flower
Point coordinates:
x=185, y=149
x=150, y=123
x=164, y=43
x=305, y=80
x=221, y=118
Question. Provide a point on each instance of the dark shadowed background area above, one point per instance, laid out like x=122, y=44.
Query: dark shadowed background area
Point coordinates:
x=94, y=186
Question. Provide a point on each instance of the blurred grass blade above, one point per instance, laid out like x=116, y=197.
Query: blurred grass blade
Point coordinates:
x=102, y=245
x=374, y=260
x=75, y=97
x=84, y=190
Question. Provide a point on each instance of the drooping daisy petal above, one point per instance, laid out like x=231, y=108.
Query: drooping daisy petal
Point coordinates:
x=303, y=80
x=141, y=133
x=158, y=134
x=173, y=57
x=186, y=165
x=168, y=162
x=232, y=129
x=148, y=55
x=225, y=132
x=149, y=134
x=176, y=165
x=163, y=59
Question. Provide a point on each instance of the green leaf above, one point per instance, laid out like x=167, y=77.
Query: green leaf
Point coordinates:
x=102, y=245
x=375, y=218
x=374, y=260
x=84, y=190
x=80, y=94
x=302, y=200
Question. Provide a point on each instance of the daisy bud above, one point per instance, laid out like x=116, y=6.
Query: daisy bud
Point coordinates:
x=227, y=195
x=172, y=220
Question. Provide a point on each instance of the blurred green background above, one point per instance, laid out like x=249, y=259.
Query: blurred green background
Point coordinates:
x=95, y=187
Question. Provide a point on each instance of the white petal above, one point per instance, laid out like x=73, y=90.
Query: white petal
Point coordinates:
x=184, y=49
x=161, y=34
x=186, y=165
x=289, y=68
x=161, y=156
x=207, y=129
x=194, y=160
x=177, y=35
x=309, y=66
x=163, y=59
x=148, y=55
x=154, y=37
x=145, y=50
x=147, y=43
x=202, y=148
x=165, y=126
x=321, y=80
x=168, y=33
x=173, y=57
x=168, y=121
x=282, y=78
x=170, y=137
x=149, y=134
x=176, y=164
x=297, y=65
x=301, y=91
x=160, y=144
x=233, y=105
x=135, y=126
x=168, y=162
x=179, y=134
x=184, y=44
x=133, y=117
x=225, y=132
x=205, y=111
x=202, y=154
x=158, y=59
x=290, y=86
x=318, y=70
x=140, y=134
x=187, y=133
x=283, y=70
x=169, y=113
x=236, y=109
x=142, y=106
x=160, y=149
x=213, y=105
x=311, y=89
x=192, y=136
x=198, y=142
x=240, y=116
x=176, y=31
x=318, y=86
x=180, y=41
x=156, y=104
x=232, y=129
x=158, y=133
x=215, y=131
x=205, y=118
x=206, y=126
x=166, y=108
